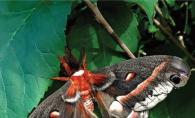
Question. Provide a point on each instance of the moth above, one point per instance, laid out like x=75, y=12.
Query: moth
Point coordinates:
x=127, y=89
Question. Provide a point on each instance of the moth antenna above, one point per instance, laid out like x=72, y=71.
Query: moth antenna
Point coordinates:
x=81, y=55
x=193, y=69
x=84, y=62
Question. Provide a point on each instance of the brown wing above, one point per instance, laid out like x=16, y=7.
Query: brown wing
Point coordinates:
x=155, y=77
x=56, y=102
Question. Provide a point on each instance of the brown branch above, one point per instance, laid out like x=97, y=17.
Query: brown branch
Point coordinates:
x=164, y=23
x=173, y=39
x=100, y=19
x=162, y=19
x=169, y=16
x=168, y=31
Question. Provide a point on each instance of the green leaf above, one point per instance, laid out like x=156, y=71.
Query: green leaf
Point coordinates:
x=153, y=29
x=31, y=35
x=159, y=35
x=100, y=47
x=143, y=25
x=192, y=6
x=159, y=111
x=178, y=6
x=171, y=3
x=148, y=6
x=165, y=12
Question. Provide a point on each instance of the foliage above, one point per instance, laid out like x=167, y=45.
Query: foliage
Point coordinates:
x=32, y=33
x=31, y=36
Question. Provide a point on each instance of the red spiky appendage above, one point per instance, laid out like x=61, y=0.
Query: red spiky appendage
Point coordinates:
x=80, y=81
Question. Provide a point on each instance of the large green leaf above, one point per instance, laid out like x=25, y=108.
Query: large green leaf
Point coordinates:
x=31, y=35
x=100, y=47
x=147, y=5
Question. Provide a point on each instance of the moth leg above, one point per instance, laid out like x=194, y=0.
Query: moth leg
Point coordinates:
x=60, y=78
x=139, y=114
x=73, y=56
x=67, y=68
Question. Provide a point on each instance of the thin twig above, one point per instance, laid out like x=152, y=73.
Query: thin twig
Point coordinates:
x=185, y=27
x=169, y=17
x=162, y=19
x=164, y=23
x=173, y=39
x=180, y=38
x=193, y=69
x=186, y=19
x=100, y=19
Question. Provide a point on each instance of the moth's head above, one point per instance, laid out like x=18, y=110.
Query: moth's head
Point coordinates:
x=178, y=72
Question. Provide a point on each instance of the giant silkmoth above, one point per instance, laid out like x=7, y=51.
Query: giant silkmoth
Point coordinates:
x=124, y=90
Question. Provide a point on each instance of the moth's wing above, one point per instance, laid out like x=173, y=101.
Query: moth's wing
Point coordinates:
x=82, y=112
x=111, y=108
x=104, y=102
x=55, y=102
x=149, y=86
